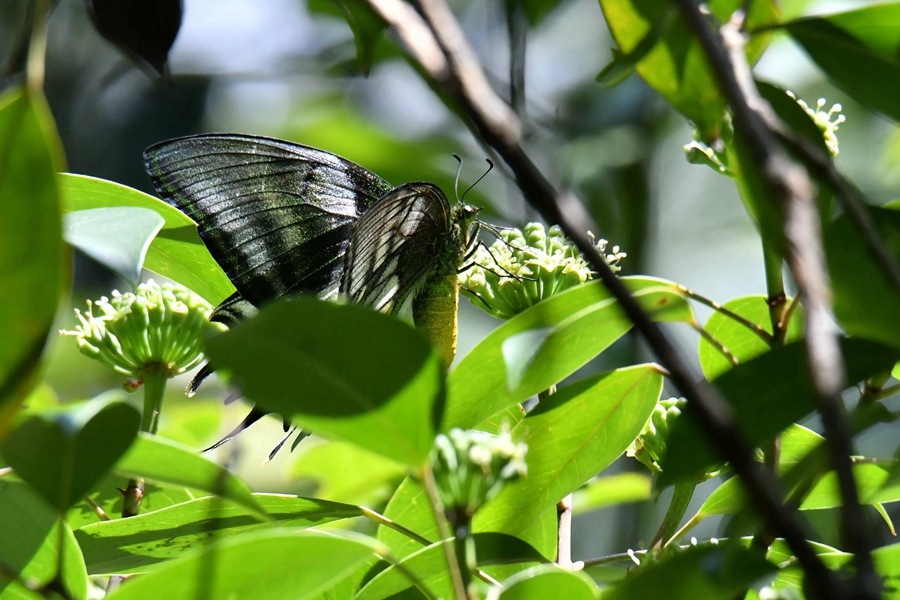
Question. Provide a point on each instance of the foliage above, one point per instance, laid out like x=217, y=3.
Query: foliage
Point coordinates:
x=474, y=472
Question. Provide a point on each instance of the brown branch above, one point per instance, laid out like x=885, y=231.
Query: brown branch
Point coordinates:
x=789, y=185
x=465, y=85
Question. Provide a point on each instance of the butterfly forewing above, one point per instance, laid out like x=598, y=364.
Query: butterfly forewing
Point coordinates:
x=276, y=216
x=396, y=245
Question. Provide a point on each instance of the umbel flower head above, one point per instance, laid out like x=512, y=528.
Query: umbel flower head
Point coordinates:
x=470, y=468
x=526, y=266
x=827, y=122
x=157, y=326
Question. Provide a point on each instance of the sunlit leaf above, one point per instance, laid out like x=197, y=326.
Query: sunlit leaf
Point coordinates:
x=676, y=66
x=543, y=345
x=737, y=338
x=140, y=543
x=176, y=252
x=264, y=564
x=32, y=267
x=571, y=436
x=117, y=238
x=549, y=582
x=611, y=490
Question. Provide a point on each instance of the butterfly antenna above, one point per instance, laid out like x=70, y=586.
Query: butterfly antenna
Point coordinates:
x=477, y=181
x=456, y=181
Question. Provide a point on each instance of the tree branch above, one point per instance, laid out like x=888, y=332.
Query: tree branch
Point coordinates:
x=465, y=85
x=790, y=187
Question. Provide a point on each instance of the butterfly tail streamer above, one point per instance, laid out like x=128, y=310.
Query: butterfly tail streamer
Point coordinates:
x=255, y=415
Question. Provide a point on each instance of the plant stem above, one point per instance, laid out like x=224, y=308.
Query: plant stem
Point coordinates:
x=155, y=378
x=454, y=566
x=678, y=505
x=37, y=48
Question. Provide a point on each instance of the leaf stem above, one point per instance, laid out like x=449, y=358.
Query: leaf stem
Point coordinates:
x=678, y=505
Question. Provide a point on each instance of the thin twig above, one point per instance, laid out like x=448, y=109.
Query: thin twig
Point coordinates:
x=790, y=187
x=501, y=130
x=753, y=327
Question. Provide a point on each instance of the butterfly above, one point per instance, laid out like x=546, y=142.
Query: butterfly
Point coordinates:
x=281, y=218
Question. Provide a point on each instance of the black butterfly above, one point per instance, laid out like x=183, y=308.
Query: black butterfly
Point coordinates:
x=282, y=218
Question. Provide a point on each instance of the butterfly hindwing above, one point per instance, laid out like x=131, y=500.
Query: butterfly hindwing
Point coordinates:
x=276, y=216
x=396, y=245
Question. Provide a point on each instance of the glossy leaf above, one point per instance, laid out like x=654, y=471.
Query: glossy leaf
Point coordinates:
x=107, y=496
x=611, y=490
x=707, y=571
x=737, y=338
x=32, y=266
x=140, y=543
x=767, y=393
x=58, y=451
x=877, y=483
x=263, y=564
x=158, y=459
x=117, y=238
x=176, y=252
x=675, y=64
x=31, y=543
x=571, y=436
x=549, y=582
x=864, y=302
x=345, y=372
x=543, y=345
x=858, y=51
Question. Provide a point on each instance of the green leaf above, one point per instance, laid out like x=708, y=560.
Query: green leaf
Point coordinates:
x=767, y=393
x=864, y=302
x=611, y=490
x=158, y=459
x=410, y=507
x=345, y=372
x=176, y=252
x=707, y=571
x=371, y=480
x=429, y=565
x=858, y=50
x=571, y=436
x=116, y=237
x=107, y=496
x=263, y=564
x=32, y=264
x=140, y=543
x=737, y=338
x=59, y=451
x=548, y=581
x=543, y=345
x=35, y=552
x=676, y=66
x=887, y=565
